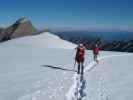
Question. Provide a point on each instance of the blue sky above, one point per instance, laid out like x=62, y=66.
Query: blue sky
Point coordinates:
x=70, y=14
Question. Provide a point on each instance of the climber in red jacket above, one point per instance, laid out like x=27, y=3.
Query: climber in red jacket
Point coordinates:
x=95, y=52
x=79, y=58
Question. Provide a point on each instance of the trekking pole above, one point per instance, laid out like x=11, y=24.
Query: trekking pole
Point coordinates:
x=74, y=64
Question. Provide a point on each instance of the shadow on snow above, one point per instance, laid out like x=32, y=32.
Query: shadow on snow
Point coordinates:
x=58, y=68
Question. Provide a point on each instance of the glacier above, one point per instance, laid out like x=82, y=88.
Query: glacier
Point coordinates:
x=41, y=67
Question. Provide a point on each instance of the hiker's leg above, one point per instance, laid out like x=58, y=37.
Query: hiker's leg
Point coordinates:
x=82, y=68
x=78, y=68
x=95, y=57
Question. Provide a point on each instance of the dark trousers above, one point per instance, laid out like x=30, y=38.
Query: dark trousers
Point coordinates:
x=95, y=57
x=80, y=68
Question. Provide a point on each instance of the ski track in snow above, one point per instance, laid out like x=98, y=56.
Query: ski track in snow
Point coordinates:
x=77, y=90
x=77, y=85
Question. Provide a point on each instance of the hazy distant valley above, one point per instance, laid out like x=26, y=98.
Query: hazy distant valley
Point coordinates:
x=111, y=41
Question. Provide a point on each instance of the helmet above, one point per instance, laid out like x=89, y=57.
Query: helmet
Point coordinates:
x=96, y=45
x=81, y=45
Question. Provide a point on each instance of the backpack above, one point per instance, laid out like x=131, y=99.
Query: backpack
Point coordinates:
x=80, y=52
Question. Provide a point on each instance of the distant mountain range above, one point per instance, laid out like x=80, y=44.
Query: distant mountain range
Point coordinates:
x=110, y=41
x=22, y=27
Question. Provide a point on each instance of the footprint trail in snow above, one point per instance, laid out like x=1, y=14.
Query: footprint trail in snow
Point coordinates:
x=77, y=90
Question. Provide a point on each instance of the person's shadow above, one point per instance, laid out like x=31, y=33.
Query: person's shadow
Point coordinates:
x=58, y=68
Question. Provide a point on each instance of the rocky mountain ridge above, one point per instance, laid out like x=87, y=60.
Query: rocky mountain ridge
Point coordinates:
x=22, y=27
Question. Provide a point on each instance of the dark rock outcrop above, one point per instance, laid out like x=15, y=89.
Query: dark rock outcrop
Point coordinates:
x=20, y=28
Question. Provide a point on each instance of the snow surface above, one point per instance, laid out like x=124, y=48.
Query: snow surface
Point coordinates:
x=42, y=68
x=44, y=40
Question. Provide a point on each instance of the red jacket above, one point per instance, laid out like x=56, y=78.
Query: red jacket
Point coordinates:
x=80, y=54
x=96, y=50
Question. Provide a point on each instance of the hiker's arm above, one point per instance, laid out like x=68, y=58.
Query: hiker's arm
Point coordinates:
x=76, y=48
x=85, y=48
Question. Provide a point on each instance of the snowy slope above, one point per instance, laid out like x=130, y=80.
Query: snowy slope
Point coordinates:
x=45, y=40
x=41, y=68
x=112, y=79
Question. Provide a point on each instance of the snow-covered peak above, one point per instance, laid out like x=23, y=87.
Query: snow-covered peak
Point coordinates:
x=44, y=40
